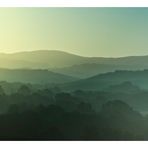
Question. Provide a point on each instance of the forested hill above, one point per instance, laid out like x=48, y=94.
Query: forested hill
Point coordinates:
x=33, y=76
x=102, y=81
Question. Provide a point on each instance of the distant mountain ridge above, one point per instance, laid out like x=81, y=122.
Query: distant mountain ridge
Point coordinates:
x=39, y=59
x=64, y=59
x=70, y=64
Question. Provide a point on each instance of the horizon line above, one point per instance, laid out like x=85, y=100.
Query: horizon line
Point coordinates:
x=27, y=51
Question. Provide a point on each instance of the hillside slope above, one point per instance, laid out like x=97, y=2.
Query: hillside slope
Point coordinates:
x=103, y=81
x=33, y=76
x=59, y=59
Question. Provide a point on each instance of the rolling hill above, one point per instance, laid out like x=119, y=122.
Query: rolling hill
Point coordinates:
x=33, y=76
x=70, y=64
x=97, y=65
x=90, y=69
x=103, y=81
x=41, y=59
x=60, y=59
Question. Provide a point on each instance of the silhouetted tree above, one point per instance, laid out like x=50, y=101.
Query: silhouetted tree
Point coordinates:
x=66, y=100
x=2, y=92
x=84, y=108
x=24, y=90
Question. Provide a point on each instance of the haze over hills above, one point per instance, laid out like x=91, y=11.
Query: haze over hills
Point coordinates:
x=97, y=65
x=90, y=69
x=33, y=76
x=55, y=59
x=43, y=59
x=103, y=81
x=70, y=64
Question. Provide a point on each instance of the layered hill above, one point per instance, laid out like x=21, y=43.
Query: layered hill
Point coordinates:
x=90, y=69
x=60, y=59
x=33, y=76
x=70, y=64
x=103, y=81
x=41, y=59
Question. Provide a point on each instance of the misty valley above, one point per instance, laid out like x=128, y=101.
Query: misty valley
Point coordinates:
x=54, y=95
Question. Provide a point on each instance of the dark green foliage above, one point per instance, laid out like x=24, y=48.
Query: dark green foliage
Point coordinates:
x=55, y=123
x=24, y=90
x=52, y=114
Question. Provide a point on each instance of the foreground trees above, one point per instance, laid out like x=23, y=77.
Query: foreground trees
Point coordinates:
x=49, y=115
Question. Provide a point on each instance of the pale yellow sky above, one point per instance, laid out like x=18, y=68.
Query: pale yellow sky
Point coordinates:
x=84, y=31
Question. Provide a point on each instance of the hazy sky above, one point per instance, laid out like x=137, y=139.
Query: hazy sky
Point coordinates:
x=84, y=31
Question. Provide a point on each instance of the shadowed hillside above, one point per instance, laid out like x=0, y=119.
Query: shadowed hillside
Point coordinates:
x=102, y=81
x=33, y=76
x=69, y=63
